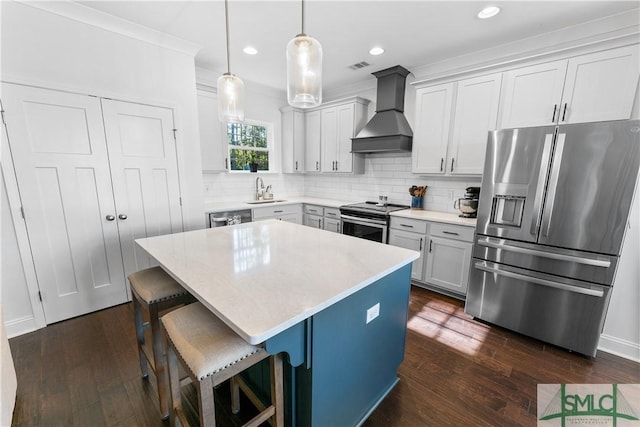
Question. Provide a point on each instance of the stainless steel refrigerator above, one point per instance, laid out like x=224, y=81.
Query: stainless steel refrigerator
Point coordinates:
x=553, y=211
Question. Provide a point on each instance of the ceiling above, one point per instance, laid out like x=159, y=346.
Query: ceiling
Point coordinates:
x=413, y=33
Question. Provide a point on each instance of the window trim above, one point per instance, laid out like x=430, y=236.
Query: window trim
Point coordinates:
x=270, y=145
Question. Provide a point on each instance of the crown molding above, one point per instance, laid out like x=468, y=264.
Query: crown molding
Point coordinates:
x=102, y=20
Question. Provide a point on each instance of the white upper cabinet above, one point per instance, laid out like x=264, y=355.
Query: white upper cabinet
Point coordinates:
x=452, y=122
x=338, y=124
x=312, y=136
x=532, y=95
x=213, y=145
x=476, y=113
x=601, y=86
x=594, y=87
x=293, y=140
x=433, y=122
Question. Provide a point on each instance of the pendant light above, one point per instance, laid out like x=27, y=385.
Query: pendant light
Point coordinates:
x=304, y=70
x=230, y=88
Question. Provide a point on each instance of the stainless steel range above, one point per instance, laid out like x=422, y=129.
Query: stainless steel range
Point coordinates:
x=368, y=220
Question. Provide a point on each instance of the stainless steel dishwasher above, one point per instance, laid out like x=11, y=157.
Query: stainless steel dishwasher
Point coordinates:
x=220, y=219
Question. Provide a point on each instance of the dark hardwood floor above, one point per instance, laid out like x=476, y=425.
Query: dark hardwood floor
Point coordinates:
x=456, y=371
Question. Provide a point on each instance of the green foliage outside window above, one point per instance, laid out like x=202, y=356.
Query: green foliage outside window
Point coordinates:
x=248, y=143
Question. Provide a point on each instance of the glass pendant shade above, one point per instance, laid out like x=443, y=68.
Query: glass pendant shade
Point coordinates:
x=304, y=72
x=230, y=99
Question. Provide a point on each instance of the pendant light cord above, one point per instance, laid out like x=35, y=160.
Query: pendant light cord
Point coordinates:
x=226, y=14
x=302, y=17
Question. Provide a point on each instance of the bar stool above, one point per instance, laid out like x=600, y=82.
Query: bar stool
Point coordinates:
x=154, y=291
x=211, y=353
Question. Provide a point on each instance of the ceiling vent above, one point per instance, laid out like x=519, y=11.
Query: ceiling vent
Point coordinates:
x=359, y=65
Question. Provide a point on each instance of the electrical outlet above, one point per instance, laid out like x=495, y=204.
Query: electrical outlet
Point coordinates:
x=373, y=312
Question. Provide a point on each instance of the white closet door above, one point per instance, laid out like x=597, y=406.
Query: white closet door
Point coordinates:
x=60, y=157
x=144, y=171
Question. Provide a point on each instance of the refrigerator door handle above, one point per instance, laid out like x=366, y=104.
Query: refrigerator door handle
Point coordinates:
x=560, y=257
x=550, y=283
x=553, y=184
x=537, y=201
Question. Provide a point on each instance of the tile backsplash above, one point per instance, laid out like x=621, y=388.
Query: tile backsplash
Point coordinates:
x=386, y=174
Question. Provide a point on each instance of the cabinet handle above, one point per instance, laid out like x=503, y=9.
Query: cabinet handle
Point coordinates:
x=553, y=118
x=420, y=244
x=317, y=165
x=110, y=217
x=450, y=232
x=296, y=165
x=280, y=211
x=441, y=163
x=564, y=113
x=430, y=245
x=337, y=166
x=226, y=164
x=407, y=225
x=452, y=160
x=122, y=216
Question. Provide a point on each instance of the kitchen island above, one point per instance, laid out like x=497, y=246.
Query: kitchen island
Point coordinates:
x=334, y=304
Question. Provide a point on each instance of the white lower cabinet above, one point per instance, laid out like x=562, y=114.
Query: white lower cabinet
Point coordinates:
x=445, y=252
x=410, y=234
x=322, y=217
x=290, y=213
x=449, y=257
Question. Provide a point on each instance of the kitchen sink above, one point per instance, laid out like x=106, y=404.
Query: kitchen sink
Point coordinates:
x=260, y=202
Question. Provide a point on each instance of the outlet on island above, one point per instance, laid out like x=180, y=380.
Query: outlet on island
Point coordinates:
x=373, y=312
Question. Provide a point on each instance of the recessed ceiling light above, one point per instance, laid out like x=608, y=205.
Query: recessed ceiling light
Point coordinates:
x=250, y=50
x=488, y=12
x=376, y=51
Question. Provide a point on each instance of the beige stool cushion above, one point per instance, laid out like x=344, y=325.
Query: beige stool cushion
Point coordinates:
x=154, y=285
x=203, y=341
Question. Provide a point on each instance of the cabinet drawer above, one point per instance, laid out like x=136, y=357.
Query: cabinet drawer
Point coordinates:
x=314, y=210
x=408, y=224
x=275, y=211
x=449, y=231
x=332, y=213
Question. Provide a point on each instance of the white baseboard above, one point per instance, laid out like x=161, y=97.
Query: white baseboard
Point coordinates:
x=619, y=347
x=20, y=326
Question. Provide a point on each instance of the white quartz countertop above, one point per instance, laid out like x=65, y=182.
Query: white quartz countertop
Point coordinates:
x=263, y=277
x=435, y=216
x=232, y=206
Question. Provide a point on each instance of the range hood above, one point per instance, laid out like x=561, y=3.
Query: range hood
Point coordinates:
x=388, y=130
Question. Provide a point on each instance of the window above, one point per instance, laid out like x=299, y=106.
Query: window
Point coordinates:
x=249, y=144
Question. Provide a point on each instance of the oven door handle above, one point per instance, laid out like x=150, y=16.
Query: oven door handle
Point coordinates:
x=550, y=283
x=363, y=221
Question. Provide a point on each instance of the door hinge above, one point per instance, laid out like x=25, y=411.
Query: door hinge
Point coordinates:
x=22, y=212
x=39, y=296
x=180, y=200
x=174, y=133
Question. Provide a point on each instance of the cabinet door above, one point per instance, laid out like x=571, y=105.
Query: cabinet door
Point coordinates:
x=60, y=157
x=532, y=95
x=331, y=224
x=314, y=221
x=312, y=141
x=448, y=264
x=601, y=86
x=295, y=218
x=213, y=145
x=328, y=138
x=292, y=140
x=476, y=113
x=413, y=241
x=433, y=122
x=345, y=131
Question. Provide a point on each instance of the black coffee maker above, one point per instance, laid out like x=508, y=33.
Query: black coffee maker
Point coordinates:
x=468, y=205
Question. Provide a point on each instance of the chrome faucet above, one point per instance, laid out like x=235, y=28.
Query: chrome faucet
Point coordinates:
x=259, y=189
